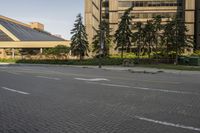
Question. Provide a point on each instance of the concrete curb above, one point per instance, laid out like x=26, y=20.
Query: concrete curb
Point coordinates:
x=112, y=68
x=6, y=64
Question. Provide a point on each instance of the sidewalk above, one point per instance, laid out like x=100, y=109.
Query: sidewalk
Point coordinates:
x=114, y=68
x=141, y=69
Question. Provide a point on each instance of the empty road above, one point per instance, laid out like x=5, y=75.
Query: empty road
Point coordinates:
x=56, y=99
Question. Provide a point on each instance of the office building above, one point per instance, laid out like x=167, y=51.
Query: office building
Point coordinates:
x=187, y=10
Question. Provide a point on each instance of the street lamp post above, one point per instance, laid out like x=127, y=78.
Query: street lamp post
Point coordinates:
x=101, y=45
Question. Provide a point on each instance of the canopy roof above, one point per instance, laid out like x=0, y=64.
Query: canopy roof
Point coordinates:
x=11, y=30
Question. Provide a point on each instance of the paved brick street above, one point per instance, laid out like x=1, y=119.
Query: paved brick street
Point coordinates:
x=47, y=99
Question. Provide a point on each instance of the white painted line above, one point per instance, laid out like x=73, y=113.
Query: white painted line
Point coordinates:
x=166, y=91
x=15, y=73
x=147, y=89
x=92, y=80
x=26, y=69
x=20, y=92
x=168, y=124
x=113, y=85
x=3, y=67
x=48, y=78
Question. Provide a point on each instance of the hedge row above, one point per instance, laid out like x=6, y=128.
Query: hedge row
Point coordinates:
x=106, y=61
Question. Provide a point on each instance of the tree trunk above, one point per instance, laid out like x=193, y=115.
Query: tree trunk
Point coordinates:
x=80, y=58
x=128, y=48
x=149, y=52
x=139, y=50
x=168, y=58
x=122, y=52
x=156, y=54
x=176, y=60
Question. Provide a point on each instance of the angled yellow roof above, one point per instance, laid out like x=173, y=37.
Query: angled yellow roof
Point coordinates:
x=23, y=32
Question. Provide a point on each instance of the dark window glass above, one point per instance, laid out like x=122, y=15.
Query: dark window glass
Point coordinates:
x=149, y=3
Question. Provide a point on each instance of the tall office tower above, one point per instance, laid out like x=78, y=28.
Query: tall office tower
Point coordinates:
x=92, y=14
x=189, y=16
x=142, y=11
x=197, y=27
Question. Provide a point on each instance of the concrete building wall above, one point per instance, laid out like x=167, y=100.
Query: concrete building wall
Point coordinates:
x=189, y=11
x=37, y=25
x=91, y=17
x=113, y=15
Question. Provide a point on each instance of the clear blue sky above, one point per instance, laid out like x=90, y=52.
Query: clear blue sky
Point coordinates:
x=58, y=16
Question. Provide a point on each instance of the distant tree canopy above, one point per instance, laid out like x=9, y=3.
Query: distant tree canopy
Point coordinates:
x=58, y=51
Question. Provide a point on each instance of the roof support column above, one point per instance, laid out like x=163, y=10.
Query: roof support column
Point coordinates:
x=41, y=50
x=13, y=53
x=4, y=53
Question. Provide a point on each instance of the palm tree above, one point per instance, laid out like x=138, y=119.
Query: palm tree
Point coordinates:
x=79, y=41
x=106, y=39
x=123, y=35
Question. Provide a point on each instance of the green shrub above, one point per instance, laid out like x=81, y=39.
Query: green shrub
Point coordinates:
x=58, y=51
x=196, y=53
x=8, y=60
x=105, y=61
x=126, y=55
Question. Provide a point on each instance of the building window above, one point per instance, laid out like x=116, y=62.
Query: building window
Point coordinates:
x=125, y=3
x=149, y=3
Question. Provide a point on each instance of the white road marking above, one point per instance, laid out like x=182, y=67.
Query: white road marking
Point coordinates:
x=10, y=72
x=113, y=85
x=151, y=81
x=167, y=91
x=20, y=92
x=48, y=78
x=147, y=89
x=92, y=80
x=26, y=69
x=15, y=73
x=3, y=67
x=168, y=124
